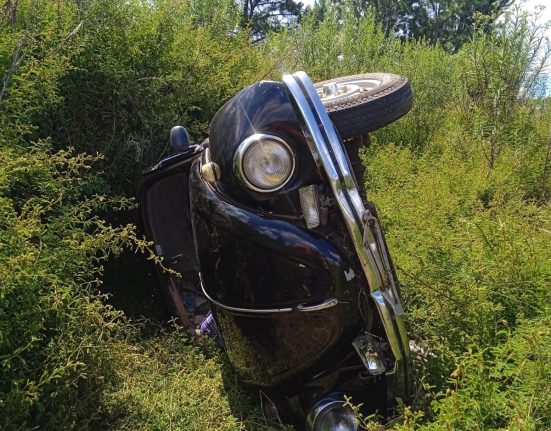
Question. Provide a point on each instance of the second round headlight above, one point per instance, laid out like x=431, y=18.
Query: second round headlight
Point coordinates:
x=265, y=163
x=331, y=414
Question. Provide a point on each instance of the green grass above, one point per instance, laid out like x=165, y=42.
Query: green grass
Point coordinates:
x=173, y=381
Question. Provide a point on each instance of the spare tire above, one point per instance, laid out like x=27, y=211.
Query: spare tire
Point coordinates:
x=359, y=104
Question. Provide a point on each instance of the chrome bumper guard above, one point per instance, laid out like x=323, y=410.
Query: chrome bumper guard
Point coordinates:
x=364, y=228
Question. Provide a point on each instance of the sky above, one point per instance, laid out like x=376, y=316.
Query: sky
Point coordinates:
x=529, y=5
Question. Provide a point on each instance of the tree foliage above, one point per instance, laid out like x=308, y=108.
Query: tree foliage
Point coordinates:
x=448, y=23
x=263, y=16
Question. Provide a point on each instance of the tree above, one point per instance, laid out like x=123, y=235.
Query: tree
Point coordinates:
x=447, y=22
x=10, y=9
x=389, y=14
x=265, y=15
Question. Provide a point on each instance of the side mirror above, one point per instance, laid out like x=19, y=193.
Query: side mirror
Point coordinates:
x=179, y=139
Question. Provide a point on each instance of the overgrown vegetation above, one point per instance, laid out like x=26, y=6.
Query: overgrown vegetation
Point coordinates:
x=89, y=92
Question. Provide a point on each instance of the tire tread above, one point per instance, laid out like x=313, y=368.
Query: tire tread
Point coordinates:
x=372, y=110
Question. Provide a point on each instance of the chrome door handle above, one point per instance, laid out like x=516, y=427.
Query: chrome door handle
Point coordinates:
x=328, y=303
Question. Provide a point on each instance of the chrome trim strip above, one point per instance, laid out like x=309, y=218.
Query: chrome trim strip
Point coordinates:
x=328, y=152
x=240, y=154
x=242, y=310
x=318, y=307
x=247, y=310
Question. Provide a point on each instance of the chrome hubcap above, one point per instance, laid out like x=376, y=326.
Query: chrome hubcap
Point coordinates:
x=339, y=90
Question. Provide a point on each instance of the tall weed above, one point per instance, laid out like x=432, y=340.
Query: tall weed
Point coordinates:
x=501, y=70
x=473, y=255
x=55, y=338
x=345, y=44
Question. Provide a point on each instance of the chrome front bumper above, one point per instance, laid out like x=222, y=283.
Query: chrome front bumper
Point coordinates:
x=364, y=228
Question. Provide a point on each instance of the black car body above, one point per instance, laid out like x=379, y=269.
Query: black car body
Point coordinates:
x=308, y=308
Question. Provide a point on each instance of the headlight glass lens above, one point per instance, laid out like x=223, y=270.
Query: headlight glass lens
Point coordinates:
x=336, y=418
x=331, y=414
x=266, y=163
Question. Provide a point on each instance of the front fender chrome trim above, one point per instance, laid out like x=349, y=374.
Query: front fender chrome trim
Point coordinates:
x=330, y=156
x=242, y=310
x=247, y=310
x=328, y=303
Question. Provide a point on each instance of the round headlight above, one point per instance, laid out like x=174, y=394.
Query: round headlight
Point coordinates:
x=336, y=418
x=264, y=163
x=330, y=414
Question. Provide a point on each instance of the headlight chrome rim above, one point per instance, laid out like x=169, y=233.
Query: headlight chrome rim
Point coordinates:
x=334, y=400
x=240, y=156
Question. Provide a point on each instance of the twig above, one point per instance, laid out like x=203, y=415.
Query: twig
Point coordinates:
x=15, y=64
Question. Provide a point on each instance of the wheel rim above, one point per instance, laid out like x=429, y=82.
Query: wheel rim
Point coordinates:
x=333, y=91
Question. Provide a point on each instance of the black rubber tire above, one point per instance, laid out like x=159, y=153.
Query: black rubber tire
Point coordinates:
x=361, y=113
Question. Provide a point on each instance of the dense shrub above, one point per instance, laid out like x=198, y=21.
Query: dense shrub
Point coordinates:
x=56, y=337
x=472, y=255
x=68, y=360
x=56, y=334
x=142, y=68
x=501, y=387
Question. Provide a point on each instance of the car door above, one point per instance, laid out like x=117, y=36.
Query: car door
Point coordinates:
x=164, y=199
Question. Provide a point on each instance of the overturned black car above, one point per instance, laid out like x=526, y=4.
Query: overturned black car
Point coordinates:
x=281, y=256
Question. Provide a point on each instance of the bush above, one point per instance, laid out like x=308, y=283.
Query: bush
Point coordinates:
x=57, y=334
x=501, y=70
x=171, y=381
x=68, y=360
x=142, y=68
x=470, y=251
x=503, y=387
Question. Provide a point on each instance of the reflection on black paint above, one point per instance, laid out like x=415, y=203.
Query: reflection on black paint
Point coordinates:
x=263, y=107
x=249, y=261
